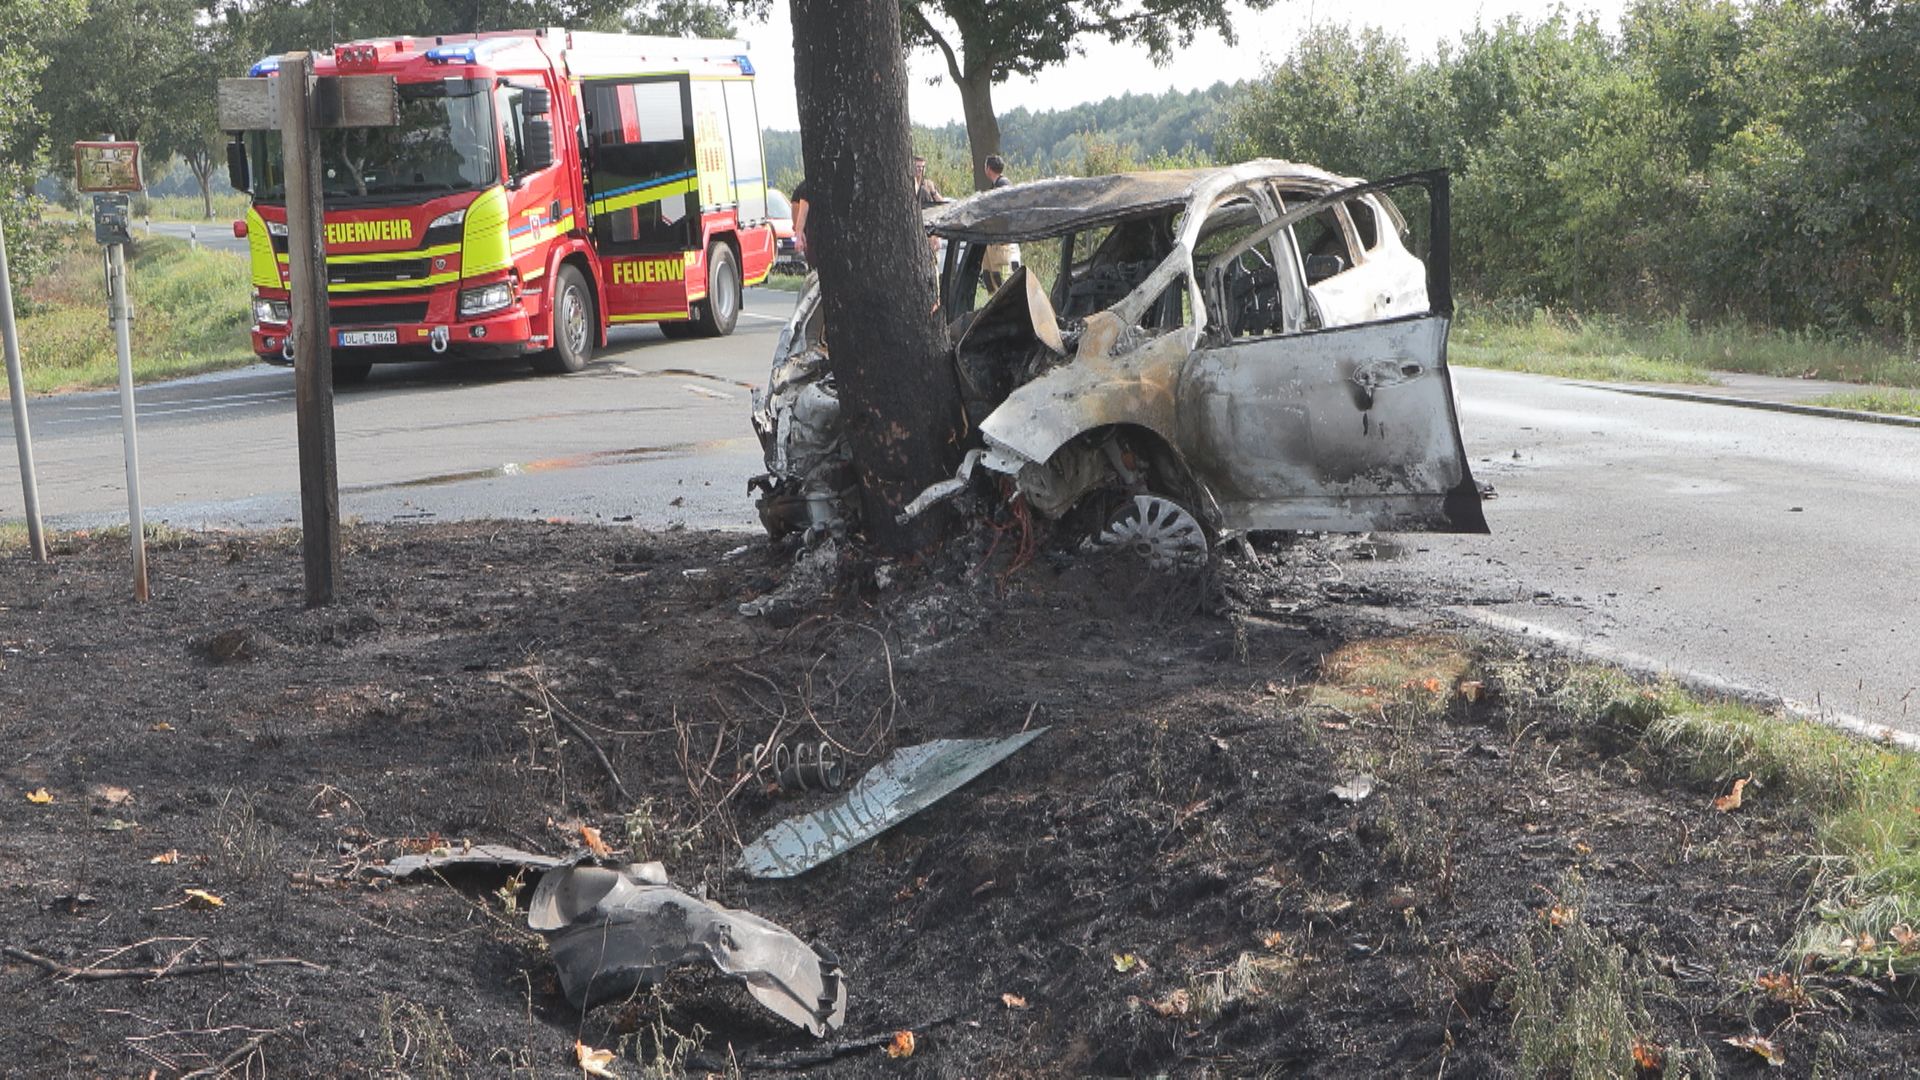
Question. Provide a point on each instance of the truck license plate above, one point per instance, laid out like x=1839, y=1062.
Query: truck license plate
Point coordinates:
x=351, y=338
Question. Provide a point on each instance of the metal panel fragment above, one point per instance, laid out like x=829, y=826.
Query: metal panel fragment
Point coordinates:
x=913, y=779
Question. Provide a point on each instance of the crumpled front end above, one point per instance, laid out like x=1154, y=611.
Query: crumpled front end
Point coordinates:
x=809, y=482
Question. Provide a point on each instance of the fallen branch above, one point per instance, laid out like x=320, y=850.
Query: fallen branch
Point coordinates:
x=808, y=1058
x=246, y=1051
x=544, y=702
x=208, y=967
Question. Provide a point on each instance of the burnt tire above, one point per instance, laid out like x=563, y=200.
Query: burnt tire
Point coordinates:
x=574, y=325
x=721, y=309
x=1163, y=534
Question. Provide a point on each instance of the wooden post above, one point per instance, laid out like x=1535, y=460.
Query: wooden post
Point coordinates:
x=312, y=356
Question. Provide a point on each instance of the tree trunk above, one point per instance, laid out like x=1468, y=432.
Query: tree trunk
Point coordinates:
x=899, y=404
x=201, y=165
x=983, y=127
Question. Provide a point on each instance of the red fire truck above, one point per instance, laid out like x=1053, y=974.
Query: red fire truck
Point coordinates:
x=541, y=186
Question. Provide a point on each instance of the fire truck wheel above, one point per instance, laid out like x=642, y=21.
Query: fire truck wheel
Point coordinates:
x=721, y=309
x=573, y=325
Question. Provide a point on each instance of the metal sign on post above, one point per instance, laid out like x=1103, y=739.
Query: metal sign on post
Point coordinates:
x=109, y=170
x=17, y=397
x=297, y=105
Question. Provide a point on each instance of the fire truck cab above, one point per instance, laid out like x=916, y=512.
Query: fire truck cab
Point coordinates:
x=541, y=186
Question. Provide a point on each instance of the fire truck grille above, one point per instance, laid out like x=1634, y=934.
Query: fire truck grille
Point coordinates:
x=363, y=314
x=356, y=273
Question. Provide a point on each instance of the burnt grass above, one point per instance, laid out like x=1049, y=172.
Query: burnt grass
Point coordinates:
x=1162, y=883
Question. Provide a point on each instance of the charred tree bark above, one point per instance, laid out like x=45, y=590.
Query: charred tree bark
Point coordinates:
x=899, y=404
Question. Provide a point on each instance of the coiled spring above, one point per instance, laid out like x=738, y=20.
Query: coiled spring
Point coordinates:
x=799, y=766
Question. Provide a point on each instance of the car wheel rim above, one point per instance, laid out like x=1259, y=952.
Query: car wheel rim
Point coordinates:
x=725, y=299
x=1158, y=530
x=574, y=314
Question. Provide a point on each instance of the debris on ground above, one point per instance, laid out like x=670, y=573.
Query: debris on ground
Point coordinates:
x=913, y=779
x=616, y=930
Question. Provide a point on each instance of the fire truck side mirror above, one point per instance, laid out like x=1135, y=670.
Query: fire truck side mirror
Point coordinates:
x=539, y=149
x=539, y=102
x=237, y=173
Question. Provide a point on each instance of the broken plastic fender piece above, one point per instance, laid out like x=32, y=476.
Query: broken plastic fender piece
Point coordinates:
x=477, y=857
x=914, y=778
x=613, y=932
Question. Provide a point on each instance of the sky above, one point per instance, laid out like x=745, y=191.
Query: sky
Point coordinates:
x=1108, y=70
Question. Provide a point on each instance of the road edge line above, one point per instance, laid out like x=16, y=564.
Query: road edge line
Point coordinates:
x=1826, y=412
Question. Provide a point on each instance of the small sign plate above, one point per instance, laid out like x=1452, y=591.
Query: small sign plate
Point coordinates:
x=351, y=338
x=106, y=166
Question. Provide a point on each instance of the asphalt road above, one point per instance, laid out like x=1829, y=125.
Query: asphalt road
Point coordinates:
x=1760, y=551
x=654, y=432
x=216, y=234
x=1766, y=552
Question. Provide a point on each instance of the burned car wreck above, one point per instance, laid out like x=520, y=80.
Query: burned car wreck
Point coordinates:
x=1186, y=355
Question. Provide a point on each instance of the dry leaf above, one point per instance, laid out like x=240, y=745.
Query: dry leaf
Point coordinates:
x=1904, y=937
x=1125, y=962
x=1013, y=1001
x=594, y=1062
x=1558, y=915
x=165, y=858
x=1731, y=800
x=1178, y=1003
x=902, y=1046
x=1274, y=940
x=161, y=726
x=39, y=797
x=201, y=898
x=591, y=837
x=1649, y=1057
x=1434, y=686
x=1781, y=986
x=112, y=796
x=1471, y=690
x=1761, y=1045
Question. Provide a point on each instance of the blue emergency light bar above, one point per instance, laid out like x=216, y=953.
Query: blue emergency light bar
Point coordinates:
x=265, y=67
x=452, y=54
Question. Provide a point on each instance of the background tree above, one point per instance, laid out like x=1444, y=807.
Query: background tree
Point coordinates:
x=898, y=400
x=986, y=41
x=24, y=26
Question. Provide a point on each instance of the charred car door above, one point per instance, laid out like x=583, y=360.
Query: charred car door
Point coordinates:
x=1340, y=428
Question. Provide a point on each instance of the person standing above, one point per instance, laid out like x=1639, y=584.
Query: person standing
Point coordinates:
x=923, y=188
x=802, y=200
x=1001, y=259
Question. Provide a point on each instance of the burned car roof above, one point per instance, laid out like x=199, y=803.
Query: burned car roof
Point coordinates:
x=1050, y=207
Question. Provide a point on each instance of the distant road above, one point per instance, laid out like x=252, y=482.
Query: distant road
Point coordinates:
x=216, y=234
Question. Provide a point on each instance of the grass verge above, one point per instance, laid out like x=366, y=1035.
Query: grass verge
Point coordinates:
x=1862, y=799
x=786, y=282
x=1609, y=348
x=1891, y=402
x=190, y=315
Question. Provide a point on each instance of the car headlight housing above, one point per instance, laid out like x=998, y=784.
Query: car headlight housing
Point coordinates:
x=271, y=311
x=451, y=217
x=485, y=298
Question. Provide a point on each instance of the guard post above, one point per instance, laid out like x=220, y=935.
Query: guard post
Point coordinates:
x=109, y=171
x=299, y=106
x=17, y=398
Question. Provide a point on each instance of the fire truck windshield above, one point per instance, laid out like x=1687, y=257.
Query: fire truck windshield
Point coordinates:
x=446, y=141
